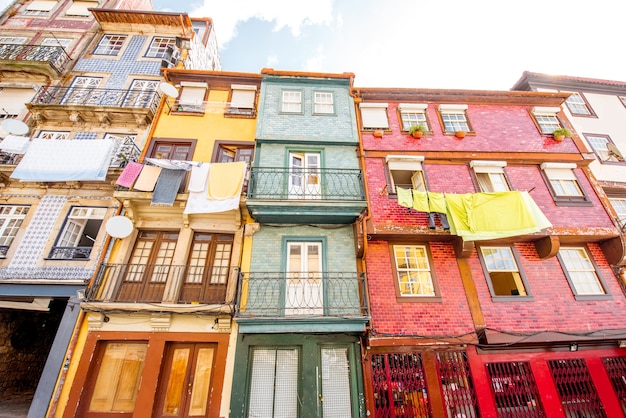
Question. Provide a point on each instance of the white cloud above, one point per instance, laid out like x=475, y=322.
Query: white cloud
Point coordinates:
x=316, y=63
x=284, y=13
x=272, y=62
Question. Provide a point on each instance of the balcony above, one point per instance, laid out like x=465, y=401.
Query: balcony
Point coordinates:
x=305, y=196
x=152, y=283
x=50, y=61
x=94, y=105
x=70, y=253
x=336, y=300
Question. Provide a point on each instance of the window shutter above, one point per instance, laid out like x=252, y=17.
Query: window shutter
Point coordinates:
x=13, y=100
x=488, y=166
x=41, y=5
x=79, y=8
x=336, y=382
x=192, y=93
x=560, y=171
x=243, y=96
x=374, y=115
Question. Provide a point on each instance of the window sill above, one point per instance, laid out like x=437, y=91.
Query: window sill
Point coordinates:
x=496, y=298
x=419, y=299
x=593, y=297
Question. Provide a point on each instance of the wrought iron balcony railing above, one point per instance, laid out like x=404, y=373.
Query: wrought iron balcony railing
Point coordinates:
x=282, y=294
x=4, y=249
x=70, y=253
x=151, y=283
x=55, y=56
x=88, y=96
x=297, y=183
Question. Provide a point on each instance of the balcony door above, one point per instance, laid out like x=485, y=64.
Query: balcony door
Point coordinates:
x=81, y=92
x=149, y=267
x=185, y=385
x=140, y=93
x=304, y=176
x=304, y=293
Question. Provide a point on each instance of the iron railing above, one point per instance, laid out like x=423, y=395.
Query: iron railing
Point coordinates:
x=298, y=183
x=151, y=283
x=282, y=294
x=70, y=253
x=4, y=249
x=53, y=55
x=88, y=96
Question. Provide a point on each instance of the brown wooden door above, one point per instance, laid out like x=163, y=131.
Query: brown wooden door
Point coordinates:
x=148, y=267
x=185, y=383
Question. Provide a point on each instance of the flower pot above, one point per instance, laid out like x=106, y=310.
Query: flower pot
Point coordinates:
x=460, y=134
x=417, y=134
x=559, y=138
x=378, y=133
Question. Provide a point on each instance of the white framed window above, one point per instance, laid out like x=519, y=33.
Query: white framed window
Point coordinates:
x=39, y=7
x=13, y=101
x=405, y=172
x=604, y=148
x=562, y=179
x=454, y=118
x=141, y=93
x=243, y=99
x=413, y=114
x=192, y=97
x=374, y=116
x=581, y=272
x=158, y=46
x=490, y=175
x=577, y=105
x=53, y=135
x=546, y=119
x=110, y=45
x=291, y=101
x=79, y=8
x=619, y=205
x=323, y=103
x=11, y=218
x=413, y=272
x=12, y=40
x=503, y=273
x=79, y=232
x=63, y=42
x=305, y=175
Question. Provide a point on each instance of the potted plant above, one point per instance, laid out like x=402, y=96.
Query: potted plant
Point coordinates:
x=378, y=133
x=460, y=134
x=560, y=133
x=417, y=131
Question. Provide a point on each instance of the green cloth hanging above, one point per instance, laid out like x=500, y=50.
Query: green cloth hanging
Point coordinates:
x=405, y=197
x=420, y=201
x=437, y=202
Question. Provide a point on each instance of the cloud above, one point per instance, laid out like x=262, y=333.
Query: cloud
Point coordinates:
x=316, y=63
x=294, y=15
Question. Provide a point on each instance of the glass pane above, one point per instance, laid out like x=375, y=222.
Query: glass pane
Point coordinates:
x=336, y=383
x=118, y=378
x=201, y=382
x=174, y=394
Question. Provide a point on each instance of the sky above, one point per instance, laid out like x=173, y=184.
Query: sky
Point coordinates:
x=456, y=44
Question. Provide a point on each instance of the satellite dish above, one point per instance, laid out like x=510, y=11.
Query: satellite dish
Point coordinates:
x=14, y=126
x=119, y=227
x=614, y=151
x=168, y=90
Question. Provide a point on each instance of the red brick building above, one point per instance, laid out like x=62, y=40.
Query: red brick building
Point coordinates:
x=477, y=312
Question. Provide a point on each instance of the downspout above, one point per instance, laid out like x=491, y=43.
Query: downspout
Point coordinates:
x=108, y=243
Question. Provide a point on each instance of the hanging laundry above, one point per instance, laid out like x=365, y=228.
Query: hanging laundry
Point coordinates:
x=199, y=177
x=420, y=201
x=405, y=197
x=129, y=175
x=14, y=144
x=147, y=178
x=167, y=186
x=204, y=202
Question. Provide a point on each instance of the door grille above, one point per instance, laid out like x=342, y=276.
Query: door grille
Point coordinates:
x=515, y=390
x=578, y=394
x=616, y=369
x=456, y=383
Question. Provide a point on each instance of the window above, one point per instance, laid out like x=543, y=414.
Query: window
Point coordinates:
x=242, y=100
x=490, y=175
x=581, y=272
x=505, y=278
x=563, y=183
x=39, y=7
x=141, y=93
x=292, y=102
x=546, y=119
x=454, y=118
x=172, y=149
x=604, y=148
x=413, y=114
x=413, y=272
x=11, y=218
x=323, y=103
x=230, y=152
x=374, y=116
x=192, y=97
x=208, y=268
x=53, y=135
x=110, y=45
x=79, y=8
x=578, y=106
x=79, y=233
x=274, y=382
x=125, y=149
x=405, y=172
x=304, y=175
x=118, y=377
x=158, y=46
x=619, y=205
x=12, y=40
x=62, y=42
x=13, y=101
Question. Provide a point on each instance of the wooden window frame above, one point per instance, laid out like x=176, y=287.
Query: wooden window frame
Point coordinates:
x=391, y=186
x=433, y=277
x=520, y=271
x=585, y=103
x=444, y=109
x=413, y=109
x=152, y=52
x=175, y=141
x=498, y=164
x=595, y=151
x=244, y=113
x=582, y=200
x=606, y=295
x=384, y=107
x=546, y=111
x=116, y=49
